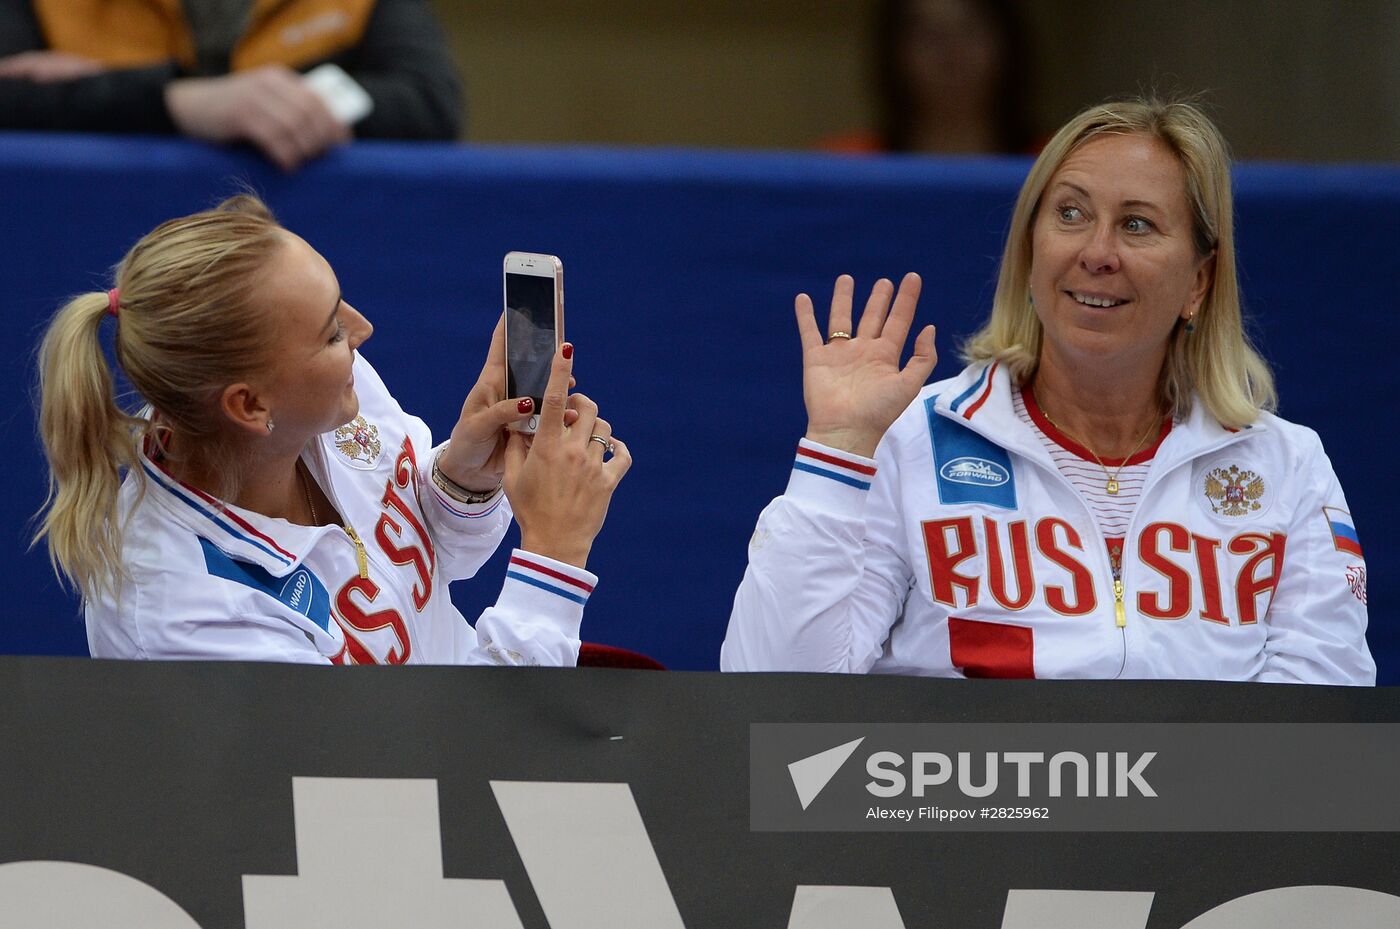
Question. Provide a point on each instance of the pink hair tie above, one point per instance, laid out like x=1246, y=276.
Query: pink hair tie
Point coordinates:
x=113, y=296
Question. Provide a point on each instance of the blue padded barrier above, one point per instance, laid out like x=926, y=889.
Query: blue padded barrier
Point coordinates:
x=680, y=268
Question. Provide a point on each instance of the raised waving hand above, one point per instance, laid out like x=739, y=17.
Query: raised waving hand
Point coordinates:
x=852, y=383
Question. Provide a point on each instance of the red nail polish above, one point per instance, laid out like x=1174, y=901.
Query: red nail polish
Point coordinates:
x=525, y=405
x=567, y=351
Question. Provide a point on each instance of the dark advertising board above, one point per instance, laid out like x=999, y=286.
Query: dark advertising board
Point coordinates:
x=270, y=797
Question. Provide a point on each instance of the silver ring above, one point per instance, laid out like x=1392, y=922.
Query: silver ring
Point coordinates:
x=840, y=334
x=607, y=446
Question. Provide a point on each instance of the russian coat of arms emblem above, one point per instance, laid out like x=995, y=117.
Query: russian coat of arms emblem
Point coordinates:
x=358, y=440
x=1233, y=492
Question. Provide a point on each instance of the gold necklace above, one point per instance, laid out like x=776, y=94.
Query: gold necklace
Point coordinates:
x=306, y=486
x=1112, y=485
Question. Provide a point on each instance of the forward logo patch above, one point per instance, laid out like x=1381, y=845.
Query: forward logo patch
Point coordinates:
x=978, y=472
x=969, y=468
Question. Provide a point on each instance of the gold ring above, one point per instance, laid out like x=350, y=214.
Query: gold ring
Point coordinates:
x=842, y=334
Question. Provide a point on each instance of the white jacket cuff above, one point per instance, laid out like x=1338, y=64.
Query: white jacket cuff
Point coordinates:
x=830, y=480
x=540, y=586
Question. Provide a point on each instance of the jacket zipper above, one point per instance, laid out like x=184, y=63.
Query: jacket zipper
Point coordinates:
x=387, y=579
x=361, y=556
x=1154, y=477
x=1120, y=612
x=327, y=486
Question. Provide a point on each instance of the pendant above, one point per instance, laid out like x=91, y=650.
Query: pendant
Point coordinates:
x=1112, y=486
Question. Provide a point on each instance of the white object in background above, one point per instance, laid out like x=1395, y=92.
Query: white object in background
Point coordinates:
x=342, y=94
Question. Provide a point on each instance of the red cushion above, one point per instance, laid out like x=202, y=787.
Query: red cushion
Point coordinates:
x=593, y=655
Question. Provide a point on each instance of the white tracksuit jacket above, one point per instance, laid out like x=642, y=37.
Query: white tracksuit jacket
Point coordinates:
x=961, y=550
x=210, y=580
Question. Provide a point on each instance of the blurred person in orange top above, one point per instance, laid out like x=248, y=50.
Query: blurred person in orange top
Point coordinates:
x=228, y=71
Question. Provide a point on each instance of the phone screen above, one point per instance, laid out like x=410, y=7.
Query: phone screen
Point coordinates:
x=529, y=335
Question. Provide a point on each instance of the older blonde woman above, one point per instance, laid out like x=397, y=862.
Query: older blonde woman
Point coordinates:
x=1102, y=492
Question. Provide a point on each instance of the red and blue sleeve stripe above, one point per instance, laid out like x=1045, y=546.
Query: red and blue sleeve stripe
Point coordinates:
x=833, y=466
x=557, y=582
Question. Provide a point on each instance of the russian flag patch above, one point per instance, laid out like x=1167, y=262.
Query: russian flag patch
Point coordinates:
x=544, y=577
x=834, y=466
x=1343, y=530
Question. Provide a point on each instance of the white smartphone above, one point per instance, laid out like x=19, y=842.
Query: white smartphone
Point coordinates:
x=534, y=308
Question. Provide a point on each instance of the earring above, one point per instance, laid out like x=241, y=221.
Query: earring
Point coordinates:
x=269, y=425
x=1190, y=324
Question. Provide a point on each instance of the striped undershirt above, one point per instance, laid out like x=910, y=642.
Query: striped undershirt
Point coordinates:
x=1112, y=512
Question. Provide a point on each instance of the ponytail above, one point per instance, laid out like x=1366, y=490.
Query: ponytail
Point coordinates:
x=89, y=441
x=187, y=328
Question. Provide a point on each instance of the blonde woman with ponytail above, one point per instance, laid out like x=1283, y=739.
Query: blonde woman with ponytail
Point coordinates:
x=1104, y=491
x=265, y=498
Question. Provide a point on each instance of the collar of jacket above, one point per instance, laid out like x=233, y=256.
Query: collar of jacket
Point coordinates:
x=274, y=545
x=979, y=397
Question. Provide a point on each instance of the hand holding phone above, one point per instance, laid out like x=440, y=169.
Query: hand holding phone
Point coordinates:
x=534, y=312
x=560, y=485
x=475, y=457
